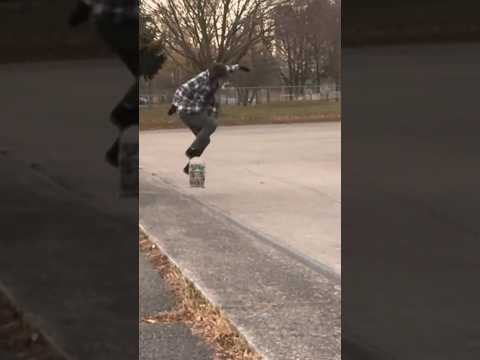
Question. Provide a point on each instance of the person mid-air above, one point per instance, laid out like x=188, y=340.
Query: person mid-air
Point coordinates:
x=195, y=103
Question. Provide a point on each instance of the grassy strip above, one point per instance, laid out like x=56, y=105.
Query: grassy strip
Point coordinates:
x=18, y=337
x=205, y=320
x=275, y=113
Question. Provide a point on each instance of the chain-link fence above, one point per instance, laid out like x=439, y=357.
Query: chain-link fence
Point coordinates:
x=252, y=95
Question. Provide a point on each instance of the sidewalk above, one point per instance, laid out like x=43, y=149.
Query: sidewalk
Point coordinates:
x=164, y=341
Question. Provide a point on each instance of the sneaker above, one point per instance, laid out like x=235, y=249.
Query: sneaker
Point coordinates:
x=128, y=161
x=111, y=156
x=186, y=169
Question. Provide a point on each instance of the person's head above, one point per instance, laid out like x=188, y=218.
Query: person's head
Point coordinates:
x=218, y=71
x=152, y=59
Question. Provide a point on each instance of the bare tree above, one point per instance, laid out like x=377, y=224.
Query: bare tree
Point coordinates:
x=325, y=38
x=291, y=39
x=149, y=31
x=206, y=31
x=151, y=47
x=305, y=35
x=265, y=71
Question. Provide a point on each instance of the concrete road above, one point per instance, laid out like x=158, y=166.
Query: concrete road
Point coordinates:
x=410, y=270
x=65, y=245
x=55, y=115
x=282, y=181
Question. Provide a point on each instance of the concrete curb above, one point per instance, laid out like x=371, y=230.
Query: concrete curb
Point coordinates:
x=52, y=346
x=355, y=348
x=200, y=289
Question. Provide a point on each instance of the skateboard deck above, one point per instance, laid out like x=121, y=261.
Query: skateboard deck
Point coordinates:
x=197, y=173
x=128, y=162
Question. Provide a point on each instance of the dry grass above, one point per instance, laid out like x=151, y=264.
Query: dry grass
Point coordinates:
x=205, y=320
x=19, y=338
x=275, y=113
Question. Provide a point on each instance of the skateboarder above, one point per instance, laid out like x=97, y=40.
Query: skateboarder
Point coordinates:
x=117, y=23
x=195, y=103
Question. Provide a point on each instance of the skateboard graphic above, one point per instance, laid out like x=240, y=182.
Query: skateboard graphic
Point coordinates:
x=197, y=173
x=128, y=162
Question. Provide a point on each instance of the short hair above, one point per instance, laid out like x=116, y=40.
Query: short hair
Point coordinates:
x=218, y=70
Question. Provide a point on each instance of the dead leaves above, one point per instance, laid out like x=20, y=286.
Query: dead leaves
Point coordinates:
x=194, y=310
x=18, y=337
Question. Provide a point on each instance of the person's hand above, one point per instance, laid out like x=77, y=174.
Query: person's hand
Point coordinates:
x=151, y=64
x=244, y=68
x=80, y=14
x=172, y=110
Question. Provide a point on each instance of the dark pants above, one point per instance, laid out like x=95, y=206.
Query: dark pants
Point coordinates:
x=203, y=125
x=122, y=37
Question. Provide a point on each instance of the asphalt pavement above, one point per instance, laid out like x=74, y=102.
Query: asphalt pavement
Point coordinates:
x=410, y=271
x=64, y=255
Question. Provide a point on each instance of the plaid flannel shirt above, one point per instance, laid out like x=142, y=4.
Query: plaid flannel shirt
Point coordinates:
x=197, y=94
x=118, y=9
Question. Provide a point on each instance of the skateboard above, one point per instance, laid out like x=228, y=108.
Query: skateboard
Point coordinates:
x=197, y=173
x=128, y=162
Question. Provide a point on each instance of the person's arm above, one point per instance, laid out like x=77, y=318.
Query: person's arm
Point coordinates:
x=182, y=92
x=185, y=91
x=211, y=100
x=236, y=67
x=175, y=101
x=81, y=13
